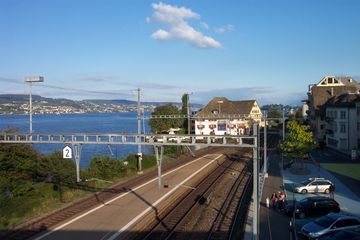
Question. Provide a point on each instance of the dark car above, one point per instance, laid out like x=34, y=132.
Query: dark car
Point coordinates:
x=312, y=206
x=353, y=234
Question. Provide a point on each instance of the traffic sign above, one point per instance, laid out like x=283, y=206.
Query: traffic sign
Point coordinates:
x=67, y=152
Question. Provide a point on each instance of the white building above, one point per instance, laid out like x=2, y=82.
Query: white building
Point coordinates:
x=342, y=122
x=318, y=94
x=224, y=117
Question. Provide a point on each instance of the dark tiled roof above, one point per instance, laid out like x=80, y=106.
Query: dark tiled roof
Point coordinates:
x=244, y=107
x=343, y=100
x=347, y=80
x=320, y=95
x=226, y=107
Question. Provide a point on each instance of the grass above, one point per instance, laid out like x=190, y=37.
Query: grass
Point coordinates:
x=351, y=170
x=38, y=201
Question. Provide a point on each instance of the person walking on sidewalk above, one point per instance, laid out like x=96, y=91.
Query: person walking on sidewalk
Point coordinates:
x=274, y=199
x=282, y=200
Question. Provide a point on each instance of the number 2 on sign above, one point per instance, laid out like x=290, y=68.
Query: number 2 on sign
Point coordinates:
x=67, y=153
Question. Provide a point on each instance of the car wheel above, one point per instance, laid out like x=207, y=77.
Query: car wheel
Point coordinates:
x=327, y=191
x=302, y=215
x=304, y=191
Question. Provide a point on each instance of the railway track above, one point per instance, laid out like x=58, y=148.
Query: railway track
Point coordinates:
x=171, y=225
x=74, y=209
x=35, y=226
x=223, y=226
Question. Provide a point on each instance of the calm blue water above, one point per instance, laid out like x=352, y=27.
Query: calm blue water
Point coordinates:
x=81, y=123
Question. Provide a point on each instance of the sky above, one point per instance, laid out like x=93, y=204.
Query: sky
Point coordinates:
x=240, y=49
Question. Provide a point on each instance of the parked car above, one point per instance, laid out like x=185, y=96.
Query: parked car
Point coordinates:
x=314, y=185
x=313, y=206
x=332, y=222
x=353, y=234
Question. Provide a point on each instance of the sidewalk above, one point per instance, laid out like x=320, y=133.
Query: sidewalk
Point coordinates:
x=349, y=202
x=273, y=224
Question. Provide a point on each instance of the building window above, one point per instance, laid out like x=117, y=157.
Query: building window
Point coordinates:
x=358, y=143
x=358, y=126
x=342, y=128
x=332, y=142
x=322, y=126
x=342, y=115
x=221, y=126
x=335, y=114
x=343, y=143
x=358, y=111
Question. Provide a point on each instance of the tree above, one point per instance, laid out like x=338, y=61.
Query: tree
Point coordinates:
x=106, y=168
x=299, y=142
x=184, y=108
x=274, y=112
x=57, y=170
x=164, y=124
x=17, y=168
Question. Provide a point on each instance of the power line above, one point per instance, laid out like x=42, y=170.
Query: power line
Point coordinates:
x=114, y=92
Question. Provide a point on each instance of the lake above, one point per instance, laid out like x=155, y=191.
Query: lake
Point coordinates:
x=118, y=123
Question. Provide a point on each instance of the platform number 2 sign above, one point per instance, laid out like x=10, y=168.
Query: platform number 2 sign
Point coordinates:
x=67, y=152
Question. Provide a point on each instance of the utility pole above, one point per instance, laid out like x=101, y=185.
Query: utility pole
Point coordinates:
x=139, y=154
x=30, y=110
x=188, y=112
x=255, y=195
x=265, y=145
x=283, y=120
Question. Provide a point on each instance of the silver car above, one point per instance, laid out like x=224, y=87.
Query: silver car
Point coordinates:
x=315, y=185
x=329, y=223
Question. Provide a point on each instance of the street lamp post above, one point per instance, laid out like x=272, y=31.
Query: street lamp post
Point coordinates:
x=265, y=146
x=31, y=80
x=283, y=125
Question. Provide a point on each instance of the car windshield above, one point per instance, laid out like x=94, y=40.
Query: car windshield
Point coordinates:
x=324, y=221
x=306, y=182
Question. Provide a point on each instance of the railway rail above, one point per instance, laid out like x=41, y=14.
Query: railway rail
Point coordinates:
x=35, y=226
x=223, y=226
x=169, y=227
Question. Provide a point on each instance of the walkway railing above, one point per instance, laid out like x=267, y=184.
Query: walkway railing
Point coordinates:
x=132, y=139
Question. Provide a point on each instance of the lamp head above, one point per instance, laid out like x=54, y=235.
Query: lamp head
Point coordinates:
x=34, y=79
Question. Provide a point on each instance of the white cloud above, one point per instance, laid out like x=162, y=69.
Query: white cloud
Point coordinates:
x=204, y=25
x=223, y=29
x=230, y=28
x=219, y=30
x=179, y=29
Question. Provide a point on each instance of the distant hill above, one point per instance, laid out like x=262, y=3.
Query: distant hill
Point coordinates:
x=17, y=104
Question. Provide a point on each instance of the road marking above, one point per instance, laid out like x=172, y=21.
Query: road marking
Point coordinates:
x=118, y=197
x=186, y=186
x=268, y=217
x=120, y=231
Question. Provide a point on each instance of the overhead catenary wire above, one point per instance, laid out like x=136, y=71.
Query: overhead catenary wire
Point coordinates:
x=44, y=85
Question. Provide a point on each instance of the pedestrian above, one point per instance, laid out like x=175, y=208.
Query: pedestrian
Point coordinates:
x=274, y=199
x=282, y=200
x=267, y=202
